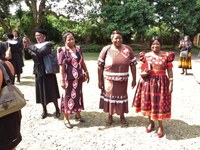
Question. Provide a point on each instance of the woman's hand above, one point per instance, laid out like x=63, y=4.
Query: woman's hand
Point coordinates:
x=133, y=84
x=170, y=87
x=101, y=85
x=87, y=77
x=63, y=84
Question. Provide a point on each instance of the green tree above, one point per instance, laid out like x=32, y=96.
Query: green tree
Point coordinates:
x=5, y=13
x=129, y=16
x=180, y=14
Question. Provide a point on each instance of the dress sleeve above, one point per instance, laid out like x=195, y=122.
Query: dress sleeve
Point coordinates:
x=133, y=60
x=61, y=56
x=102, y=55
x=170, y=59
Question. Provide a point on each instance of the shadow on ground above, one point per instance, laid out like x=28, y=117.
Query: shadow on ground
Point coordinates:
x=174, y=129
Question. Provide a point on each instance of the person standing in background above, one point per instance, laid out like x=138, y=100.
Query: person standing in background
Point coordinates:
x=46, y=84
x=185, y=47
x=113, y=71
x=16, y=55
x=20, y=46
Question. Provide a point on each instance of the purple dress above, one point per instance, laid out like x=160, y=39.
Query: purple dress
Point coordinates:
x=72, y=97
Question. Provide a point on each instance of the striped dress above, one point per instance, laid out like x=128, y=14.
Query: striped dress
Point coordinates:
x=114, y=98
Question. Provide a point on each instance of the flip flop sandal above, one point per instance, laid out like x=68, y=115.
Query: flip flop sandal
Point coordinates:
x=109, y=122
x=68, y=125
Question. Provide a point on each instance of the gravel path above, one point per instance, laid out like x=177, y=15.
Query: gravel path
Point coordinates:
x=182, y=131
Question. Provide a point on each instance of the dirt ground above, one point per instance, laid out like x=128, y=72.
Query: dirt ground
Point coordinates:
x=182, y=131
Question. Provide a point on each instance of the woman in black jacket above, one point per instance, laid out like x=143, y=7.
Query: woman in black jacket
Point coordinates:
x=46, y=84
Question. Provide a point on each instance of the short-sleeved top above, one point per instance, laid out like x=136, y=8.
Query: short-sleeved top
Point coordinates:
x=72, y=62
x=116, y=63
x=162, y=62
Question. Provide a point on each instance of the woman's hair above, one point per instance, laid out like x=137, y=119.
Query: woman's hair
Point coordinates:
x=155, y=38
x=188, y=37
x=10, y=36
x=115, y=32
x=15, y=30
x=2, y=50
x=65, y=34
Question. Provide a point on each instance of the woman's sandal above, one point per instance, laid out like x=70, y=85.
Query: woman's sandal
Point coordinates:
x=124, y=123
x=44, y=115
x=109, y=122
x=57, y=114
x=150, y=128
x=68, y=125
x=160, y=134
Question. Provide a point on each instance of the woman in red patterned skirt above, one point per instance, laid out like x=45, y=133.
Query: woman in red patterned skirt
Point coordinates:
x=153, y=92
x=113, y=67
x=73, y=73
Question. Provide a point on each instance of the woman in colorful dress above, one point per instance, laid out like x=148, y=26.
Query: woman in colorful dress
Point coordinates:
x=185, y=47
x=73, y=73
x=113, y=71
x=153, y=93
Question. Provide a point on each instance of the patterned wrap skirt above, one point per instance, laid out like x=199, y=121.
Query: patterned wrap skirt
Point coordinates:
x=72, y=98
x=152, y=97
x=114, y=99
x=185, y=62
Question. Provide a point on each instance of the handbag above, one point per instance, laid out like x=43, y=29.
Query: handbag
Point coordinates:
x=184, y=53
x=145, y=69
x=51, y=63
x=11, y=98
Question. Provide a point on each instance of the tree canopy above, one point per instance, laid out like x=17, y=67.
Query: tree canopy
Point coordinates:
x=95, y=19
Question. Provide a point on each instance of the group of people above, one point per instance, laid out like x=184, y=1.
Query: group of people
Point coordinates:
x=153, y=90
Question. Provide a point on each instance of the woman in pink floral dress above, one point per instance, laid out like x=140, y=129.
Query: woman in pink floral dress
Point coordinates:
x=153, y=93
x=73, y=73
x=113, y=71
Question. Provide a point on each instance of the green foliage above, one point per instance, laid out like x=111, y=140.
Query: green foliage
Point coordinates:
x=129, y=16
x=180, y=14
x=92, y=48
x=167, y=35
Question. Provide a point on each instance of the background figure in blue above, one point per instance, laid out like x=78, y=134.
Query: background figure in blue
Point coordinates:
x=16, y=53
x=46, y=84
x=20, y=46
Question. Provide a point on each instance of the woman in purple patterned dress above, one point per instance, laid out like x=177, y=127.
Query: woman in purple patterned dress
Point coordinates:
x=113, y=71
x=73, y=73
x=153, y=93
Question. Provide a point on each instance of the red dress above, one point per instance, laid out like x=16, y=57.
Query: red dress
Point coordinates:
x=152, y=97
x=114, y=98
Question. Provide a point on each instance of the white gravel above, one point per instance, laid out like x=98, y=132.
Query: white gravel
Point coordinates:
x=182, y=131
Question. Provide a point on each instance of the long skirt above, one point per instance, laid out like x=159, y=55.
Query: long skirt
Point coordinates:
x=152, y=97
x=72, y=98
x=10, y=135
x=185, y=62
x=46, y=89
x=114, y=99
